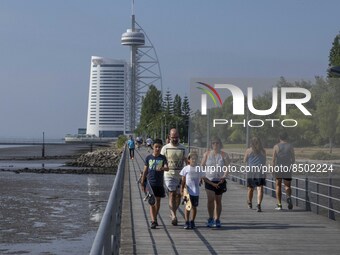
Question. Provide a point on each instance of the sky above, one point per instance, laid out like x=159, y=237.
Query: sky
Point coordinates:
x=46, y=47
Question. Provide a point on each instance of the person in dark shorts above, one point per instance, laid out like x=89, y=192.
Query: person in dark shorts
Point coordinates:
x=139, y=142
x=255, y=158
x=149, y=144
x=191, y=179
x=131, y=145
x=155, y=165
x=283, y=157
x=215, y=181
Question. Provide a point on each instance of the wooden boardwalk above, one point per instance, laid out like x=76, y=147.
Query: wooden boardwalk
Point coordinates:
x=243, y=231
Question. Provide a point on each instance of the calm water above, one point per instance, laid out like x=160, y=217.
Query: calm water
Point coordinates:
x=12, y=146
x=51, y=213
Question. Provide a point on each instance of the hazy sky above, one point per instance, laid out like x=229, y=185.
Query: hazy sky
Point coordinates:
x=46, y=47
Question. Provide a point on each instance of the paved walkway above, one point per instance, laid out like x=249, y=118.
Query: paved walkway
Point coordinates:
x=243, y=231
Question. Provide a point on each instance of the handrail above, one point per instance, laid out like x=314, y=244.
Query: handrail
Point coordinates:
x=108, y=235
x=305, y=191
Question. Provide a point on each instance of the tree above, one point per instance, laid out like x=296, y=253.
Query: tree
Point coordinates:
x=168, y=103
x=186, y=117
x=151, y=107
x=177, y=106
x=334, y=54
x=327, y=113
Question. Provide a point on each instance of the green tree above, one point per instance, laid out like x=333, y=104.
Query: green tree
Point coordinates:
x=327, y=113
x=334, y=54
x=177, y=106
x=168, y=103
x=186, y=111
x=151, y=107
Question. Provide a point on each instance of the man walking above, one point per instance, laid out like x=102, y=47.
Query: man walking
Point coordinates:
x=283, y=158
x=176, y=155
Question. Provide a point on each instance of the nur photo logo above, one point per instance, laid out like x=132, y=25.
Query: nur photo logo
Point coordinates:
x=294, y=96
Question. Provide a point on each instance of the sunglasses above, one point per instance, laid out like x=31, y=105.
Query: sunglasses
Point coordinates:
x=215, y=143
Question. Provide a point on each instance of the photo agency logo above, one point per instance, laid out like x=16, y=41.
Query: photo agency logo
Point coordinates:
x=294, y=96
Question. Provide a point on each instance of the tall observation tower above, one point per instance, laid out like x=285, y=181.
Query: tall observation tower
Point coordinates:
x=144, y=70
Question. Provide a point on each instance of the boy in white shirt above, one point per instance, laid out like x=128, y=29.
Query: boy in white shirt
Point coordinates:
x=191, y=179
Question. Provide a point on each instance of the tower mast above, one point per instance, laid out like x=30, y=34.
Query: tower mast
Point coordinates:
x=133, y=38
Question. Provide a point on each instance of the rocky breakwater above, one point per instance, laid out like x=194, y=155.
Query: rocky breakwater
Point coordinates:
x=100, y=161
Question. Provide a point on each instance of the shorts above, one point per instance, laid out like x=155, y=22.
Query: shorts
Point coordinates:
x=286, y=179
x=172, y=183
x=158, y=191
x=255, y=182
x=222, y=188
x=194, y=200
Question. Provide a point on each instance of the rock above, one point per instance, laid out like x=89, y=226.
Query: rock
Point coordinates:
x=101, y=158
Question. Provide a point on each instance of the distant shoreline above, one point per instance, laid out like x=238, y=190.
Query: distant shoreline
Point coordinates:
x=28, y=159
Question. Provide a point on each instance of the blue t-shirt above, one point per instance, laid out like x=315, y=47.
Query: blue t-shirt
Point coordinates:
x=153, y=163
x=131, y=144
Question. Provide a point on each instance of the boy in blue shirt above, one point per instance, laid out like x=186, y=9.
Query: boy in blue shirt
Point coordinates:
x=131, y=145
x=155, y=165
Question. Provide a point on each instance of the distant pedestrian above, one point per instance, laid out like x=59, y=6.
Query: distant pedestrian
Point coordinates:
x=176, y=155
x=131, y=145
x=139, y=142
x=155, y=165
x=283, y=158
x=215, y=180
x=149, y=143
x=255, y=158
x=191, y=180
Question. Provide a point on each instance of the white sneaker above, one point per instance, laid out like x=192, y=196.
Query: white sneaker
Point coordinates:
x=278, y=207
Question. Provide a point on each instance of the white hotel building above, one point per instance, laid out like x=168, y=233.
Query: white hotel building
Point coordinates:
x=107, y=104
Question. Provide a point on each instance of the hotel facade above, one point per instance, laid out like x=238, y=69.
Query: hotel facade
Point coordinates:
x=107, y=105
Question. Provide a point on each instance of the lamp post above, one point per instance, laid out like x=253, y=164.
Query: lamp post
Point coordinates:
x=43, y=146
x=189, y=129
x=247, y=130
x=162, y=137
x=208, y=127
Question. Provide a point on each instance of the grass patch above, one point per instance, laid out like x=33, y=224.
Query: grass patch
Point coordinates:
x=321, y=155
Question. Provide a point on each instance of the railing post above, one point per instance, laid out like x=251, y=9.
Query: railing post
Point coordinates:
x=330, y=200
x=297, y=192
x=273, y=187
x=317, y=198
x=307, y=195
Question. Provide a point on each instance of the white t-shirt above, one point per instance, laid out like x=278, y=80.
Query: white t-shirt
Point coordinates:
x=192, y=179
x=214, y=170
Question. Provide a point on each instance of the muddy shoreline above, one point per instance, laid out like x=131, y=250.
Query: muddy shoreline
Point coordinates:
x=49, y=213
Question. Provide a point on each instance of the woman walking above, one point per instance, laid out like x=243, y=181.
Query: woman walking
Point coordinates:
x=215, y=161
x=255, y=158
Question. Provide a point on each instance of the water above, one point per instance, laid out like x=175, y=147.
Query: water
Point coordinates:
x=51, y=213
x=29, y=164
x=12, y=146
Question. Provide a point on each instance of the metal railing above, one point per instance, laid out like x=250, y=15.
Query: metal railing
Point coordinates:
x=107, y=240
x=321, y=198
